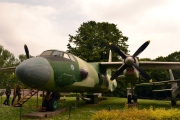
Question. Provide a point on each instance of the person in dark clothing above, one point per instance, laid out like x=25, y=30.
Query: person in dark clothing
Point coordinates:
x=8, y=93
x=17, y=92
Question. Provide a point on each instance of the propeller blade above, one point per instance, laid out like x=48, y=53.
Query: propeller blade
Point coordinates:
x=117, y=50
x=118, y=72
x=26, y=51
x=141, y=48
x=142, y=72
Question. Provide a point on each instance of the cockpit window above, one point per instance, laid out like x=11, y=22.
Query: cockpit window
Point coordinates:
x=57, y=53
x=72, y=58
x=49, y=52
x=66, y=56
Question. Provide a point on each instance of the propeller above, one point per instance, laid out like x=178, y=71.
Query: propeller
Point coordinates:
x=26, y=51
x=129, y=61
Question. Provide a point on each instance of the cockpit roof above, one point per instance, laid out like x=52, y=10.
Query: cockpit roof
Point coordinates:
x=58, y=53
x=52, y=53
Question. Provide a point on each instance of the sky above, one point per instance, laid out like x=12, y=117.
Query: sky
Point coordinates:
x=46, y=24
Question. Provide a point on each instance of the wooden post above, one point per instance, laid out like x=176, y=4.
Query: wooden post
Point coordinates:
x=37, y=100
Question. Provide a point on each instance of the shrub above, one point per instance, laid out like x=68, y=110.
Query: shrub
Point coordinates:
x=136, y=114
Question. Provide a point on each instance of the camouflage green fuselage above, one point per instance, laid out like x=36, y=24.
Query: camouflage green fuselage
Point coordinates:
x=66, y=77
x=70, y=74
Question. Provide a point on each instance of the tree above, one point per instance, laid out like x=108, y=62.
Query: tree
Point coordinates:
x=23, y=57
x=174, y=57
x=91, y=42
x=7, y=59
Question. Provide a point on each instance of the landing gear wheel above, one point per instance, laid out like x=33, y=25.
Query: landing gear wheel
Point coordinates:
x=129, y=99
x=173, y=102
x=134, y=98
x=53, y=105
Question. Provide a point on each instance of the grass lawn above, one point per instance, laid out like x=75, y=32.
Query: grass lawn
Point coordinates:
x=82, y=112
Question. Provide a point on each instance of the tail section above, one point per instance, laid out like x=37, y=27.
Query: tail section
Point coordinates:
x=110, y=56
x=171, y=74
x=172, y=78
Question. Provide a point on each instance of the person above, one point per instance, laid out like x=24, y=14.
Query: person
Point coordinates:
x=7, y=92
x=17, y=92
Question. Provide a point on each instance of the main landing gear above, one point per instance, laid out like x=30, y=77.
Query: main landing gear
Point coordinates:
x=50, y=102
x=173, y=102
x=131, y=98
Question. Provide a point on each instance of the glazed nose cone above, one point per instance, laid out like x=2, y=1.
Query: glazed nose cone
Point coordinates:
x=34, y=72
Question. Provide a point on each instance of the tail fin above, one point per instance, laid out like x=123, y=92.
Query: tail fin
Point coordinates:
x=172, y=78
x=171, y=74
x=110, y=56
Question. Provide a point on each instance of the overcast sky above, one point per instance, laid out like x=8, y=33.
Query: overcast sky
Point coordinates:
x=46, y=24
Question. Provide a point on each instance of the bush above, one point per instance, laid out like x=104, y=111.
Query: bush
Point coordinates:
x=136, y=114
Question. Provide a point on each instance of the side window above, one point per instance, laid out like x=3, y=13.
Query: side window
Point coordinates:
x=66, y=56
x=57, y=53
x=49, y=52
x=72, y=58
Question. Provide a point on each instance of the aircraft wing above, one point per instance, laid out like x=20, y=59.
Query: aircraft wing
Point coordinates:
x=159, y=83
x=152, y=83
x=145, y=65
x=153, y=65
x=8, y=69
x=162, y=90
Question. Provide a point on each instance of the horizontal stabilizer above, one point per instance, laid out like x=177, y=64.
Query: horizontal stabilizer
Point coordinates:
x=162, y=90
x=153, y=83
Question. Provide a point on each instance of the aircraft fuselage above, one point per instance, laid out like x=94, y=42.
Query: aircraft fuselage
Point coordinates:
x=60, y=71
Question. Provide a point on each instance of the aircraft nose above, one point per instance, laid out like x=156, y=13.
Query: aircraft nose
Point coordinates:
x=34, y=72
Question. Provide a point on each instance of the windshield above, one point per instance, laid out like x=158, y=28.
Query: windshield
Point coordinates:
x=52, y=52
x=47, y=52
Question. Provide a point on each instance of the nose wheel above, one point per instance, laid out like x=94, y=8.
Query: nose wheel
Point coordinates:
x=131, y=98
x=50, y=102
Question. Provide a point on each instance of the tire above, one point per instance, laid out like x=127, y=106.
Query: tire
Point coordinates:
x=173, y=102
x=53, y=105
x=129, y=98
x=135, y=98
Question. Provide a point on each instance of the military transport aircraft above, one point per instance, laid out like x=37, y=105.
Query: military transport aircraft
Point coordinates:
x=59, y=71
x=175, y=88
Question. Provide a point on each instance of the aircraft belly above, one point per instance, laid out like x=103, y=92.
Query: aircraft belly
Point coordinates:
x=89, y=82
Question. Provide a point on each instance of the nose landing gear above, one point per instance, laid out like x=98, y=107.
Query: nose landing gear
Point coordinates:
x=50, y=102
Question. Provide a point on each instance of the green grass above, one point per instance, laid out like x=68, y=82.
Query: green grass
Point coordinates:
x=82, y=112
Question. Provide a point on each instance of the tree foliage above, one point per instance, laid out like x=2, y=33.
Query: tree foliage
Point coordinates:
x=7, y=59
x=91, y=42
x=23, y=57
